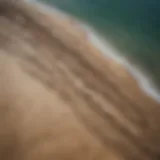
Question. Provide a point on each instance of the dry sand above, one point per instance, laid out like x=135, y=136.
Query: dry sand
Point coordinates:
x=61, y=99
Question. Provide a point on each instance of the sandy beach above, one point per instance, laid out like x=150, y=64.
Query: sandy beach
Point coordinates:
x=145, y=82
x=61, y=98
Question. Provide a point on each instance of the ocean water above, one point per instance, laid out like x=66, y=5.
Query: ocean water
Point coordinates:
x=131, y=27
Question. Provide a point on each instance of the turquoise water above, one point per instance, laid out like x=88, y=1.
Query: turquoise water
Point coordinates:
x=131, y=26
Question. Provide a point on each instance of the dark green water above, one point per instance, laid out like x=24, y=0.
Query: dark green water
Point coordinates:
x=132, y=26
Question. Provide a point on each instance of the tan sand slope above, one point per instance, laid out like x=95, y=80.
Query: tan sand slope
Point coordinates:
x=61, y=99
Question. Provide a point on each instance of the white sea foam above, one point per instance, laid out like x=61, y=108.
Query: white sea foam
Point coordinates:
x=144, y=81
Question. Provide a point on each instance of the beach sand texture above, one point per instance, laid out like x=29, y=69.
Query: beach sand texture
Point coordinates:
x=62, y=99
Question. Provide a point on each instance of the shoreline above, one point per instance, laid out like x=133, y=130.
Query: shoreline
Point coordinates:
x=143, y=80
